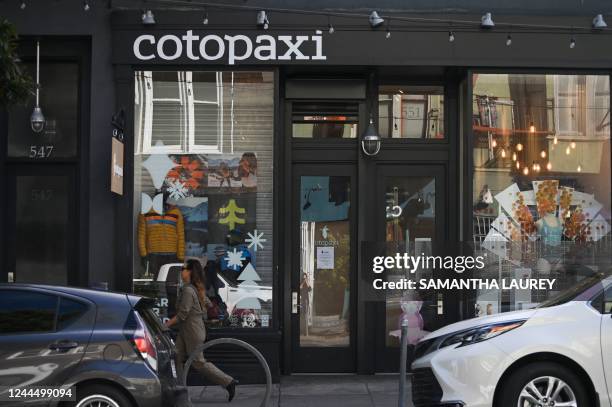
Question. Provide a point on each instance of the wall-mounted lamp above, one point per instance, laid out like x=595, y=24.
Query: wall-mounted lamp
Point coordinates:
x=37, y=119
x=370, y=141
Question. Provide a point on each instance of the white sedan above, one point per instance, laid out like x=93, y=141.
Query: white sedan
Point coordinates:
x=559, y=354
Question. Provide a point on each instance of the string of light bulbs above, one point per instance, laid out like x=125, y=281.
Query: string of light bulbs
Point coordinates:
x=451, y=26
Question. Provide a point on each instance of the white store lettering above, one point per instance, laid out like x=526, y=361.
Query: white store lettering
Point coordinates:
x=294, y=47
x=178, y=44
x=220, y=47
x=235, y=48
x=231, y=40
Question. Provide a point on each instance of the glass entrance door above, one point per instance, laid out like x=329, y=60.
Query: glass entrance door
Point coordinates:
x=411, y=219
x=324, y=271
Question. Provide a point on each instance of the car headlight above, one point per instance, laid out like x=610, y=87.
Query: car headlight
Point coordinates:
x=479, y=334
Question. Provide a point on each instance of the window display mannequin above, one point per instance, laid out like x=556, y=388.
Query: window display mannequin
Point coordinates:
x=550, y=229
x=161, y=237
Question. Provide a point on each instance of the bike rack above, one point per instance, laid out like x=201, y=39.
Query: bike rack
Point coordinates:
x=241, y=344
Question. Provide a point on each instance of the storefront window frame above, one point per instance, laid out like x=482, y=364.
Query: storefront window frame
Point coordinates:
x=390, y=142
x=467, y=138
x=279, y=157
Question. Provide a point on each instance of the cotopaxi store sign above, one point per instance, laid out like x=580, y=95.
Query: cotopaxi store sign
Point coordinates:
x=229, y=49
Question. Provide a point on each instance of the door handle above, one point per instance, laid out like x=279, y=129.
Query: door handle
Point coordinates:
x=63, y=345
x=295, y=306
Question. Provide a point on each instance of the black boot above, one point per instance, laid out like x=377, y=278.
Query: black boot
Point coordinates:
x=231, y=390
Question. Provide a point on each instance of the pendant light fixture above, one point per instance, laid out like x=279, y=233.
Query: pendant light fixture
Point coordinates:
x=375, y=20
x=148, y=18
x=370, y=142
x=532, y=128
x=262, y=19
x=599, y=23
x=486, y=21
x=37, y=119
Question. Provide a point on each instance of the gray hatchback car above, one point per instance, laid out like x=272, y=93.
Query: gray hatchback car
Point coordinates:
x=109, y=347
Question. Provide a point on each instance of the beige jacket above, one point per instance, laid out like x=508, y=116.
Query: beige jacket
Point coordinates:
x=190, y=314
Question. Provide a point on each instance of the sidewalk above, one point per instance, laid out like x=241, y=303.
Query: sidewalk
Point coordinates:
x=310, y=391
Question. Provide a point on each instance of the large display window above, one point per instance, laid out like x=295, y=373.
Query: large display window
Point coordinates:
x=541, y=181
x=203, y=189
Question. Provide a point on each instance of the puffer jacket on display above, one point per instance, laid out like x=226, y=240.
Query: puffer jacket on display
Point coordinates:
x=161, y=233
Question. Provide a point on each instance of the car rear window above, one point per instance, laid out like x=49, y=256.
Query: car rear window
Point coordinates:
x=69, y=312
x=24, y=311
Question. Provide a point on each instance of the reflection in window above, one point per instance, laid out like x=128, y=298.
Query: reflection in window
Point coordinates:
x=541, y=153
x=192, y=111
x=325, y=120
x=26, y=312
x=325, y=261
x=203, y=183
x=415, y=112
x=410, y=212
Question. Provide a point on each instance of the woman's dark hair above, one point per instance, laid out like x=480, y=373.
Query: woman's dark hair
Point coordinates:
x=197, y=278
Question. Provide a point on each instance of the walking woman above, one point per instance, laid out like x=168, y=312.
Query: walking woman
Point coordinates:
x=192, y=304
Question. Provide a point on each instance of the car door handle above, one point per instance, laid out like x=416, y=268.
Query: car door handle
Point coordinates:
x=63, y=345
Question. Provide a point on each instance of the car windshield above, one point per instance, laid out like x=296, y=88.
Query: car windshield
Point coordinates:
x=589, y=286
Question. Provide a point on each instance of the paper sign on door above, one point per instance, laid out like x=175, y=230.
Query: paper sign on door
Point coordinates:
x=325, y=257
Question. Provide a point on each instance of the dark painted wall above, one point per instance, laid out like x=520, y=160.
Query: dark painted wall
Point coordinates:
x=67, y=18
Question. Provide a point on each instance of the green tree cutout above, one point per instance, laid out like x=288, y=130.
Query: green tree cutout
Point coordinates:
x=15, y=84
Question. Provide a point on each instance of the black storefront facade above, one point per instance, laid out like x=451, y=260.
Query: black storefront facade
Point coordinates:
x=254, y=137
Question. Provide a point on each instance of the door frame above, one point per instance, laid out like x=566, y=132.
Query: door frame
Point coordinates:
x=316, y=360
x=72, y=244
x=73, y=49
x=387, y=358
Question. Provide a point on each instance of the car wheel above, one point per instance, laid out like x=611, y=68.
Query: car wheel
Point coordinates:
x=101, y=396
x=544, y=384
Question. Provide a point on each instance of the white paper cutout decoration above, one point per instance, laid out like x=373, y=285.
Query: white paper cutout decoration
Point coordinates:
x=157, y=204
x=507, y=197
x=496, y=243
x=177, y=190
x=249, y=278
x=234, y=259
x=599, y=227
x=249, y=275
x=158, y=166
x=255, y=240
